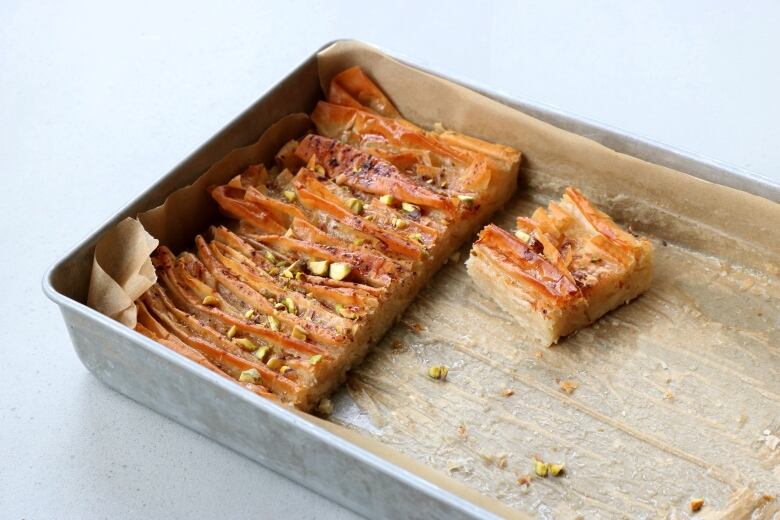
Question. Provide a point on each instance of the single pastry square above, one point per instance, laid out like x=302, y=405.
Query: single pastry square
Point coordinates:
x=562, y=269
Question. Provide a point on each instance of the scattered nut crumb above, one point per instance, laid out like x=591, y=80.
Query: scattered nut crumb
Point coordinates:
x=696, y=504
x=664, y=243
x=462, y=431
x=508, y=392
x=501, y=462
x=556, y=470
x=438, y=372
x=540, y=467
x=538, y=354
x=524, y=480
x=567, y=385
x=668, y=395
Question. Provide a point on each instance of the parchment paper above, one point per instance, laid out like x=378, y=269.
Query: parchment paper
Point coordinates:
x=121, y=270
x=678, y=393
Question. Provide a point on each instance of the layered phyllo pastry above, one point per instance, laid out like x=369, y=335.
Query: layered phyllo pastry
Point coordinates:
x=326, y=247
x=562, y=268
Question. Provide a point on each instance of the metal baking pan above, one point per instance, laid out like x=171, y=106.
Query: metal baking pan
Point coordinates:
x=370, y=480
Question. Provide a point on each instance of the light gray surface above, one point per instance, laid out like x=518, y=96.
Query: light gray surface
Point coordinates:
x=96, y=103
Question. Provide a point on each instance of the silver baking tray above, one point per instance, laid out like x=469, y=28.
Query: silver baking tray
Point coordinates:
x=304, y=449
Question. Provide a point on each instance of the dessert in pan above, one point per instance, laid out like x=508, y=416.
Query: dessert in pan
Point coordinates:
x=327, y=246
x=562, y=268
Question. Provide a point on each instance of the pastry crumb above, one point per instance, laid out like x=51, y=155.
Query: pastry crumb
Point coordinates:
x=567, y=385
x=415, y=327
x=508, y=392
x=696, y=504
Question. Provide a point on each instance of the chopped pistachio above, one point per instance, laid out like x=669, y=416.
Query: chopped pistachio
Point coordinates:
x=270, y=257
x=318, y=267
x=273, y=323
x=232, y=332
x=315, y=359
x=284, y=369
x=359, y=241
x=417, y=237
x=210, y=300
x=249, y=376
x=245, y=344
x=262, y=352
x=298, y=275
x=696, y=504
x=249, y=314
x=319, y=169
x=325, y=407
x=410, y=208
x=387, y=200
x=443, y=184
x=339, y=270
x=275, y=363
x=522, y=235
x=467, y=200
x=355, y=206
x=438, y=372
x=429, y=181
x=540, y=467
x=295, y=267
x=556, y=469
x=290, y=305
x=273, y=271
x=399, y=223
x=280, y=306
x=298, y=333
x=346, y=313
x=289, y=195
x=370, y=218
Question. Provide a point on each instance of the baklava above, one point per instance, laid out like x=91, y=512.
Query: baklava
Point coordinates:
x=327, y=246
x=561, y=269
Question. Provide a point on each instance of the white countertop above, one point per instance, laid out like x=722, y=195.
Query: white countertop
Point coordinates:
x=97, y=102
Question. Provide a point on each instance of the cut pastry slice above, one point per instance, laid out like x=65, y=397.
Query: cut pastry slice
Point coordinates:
x=561, y=269
x=327, y=248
